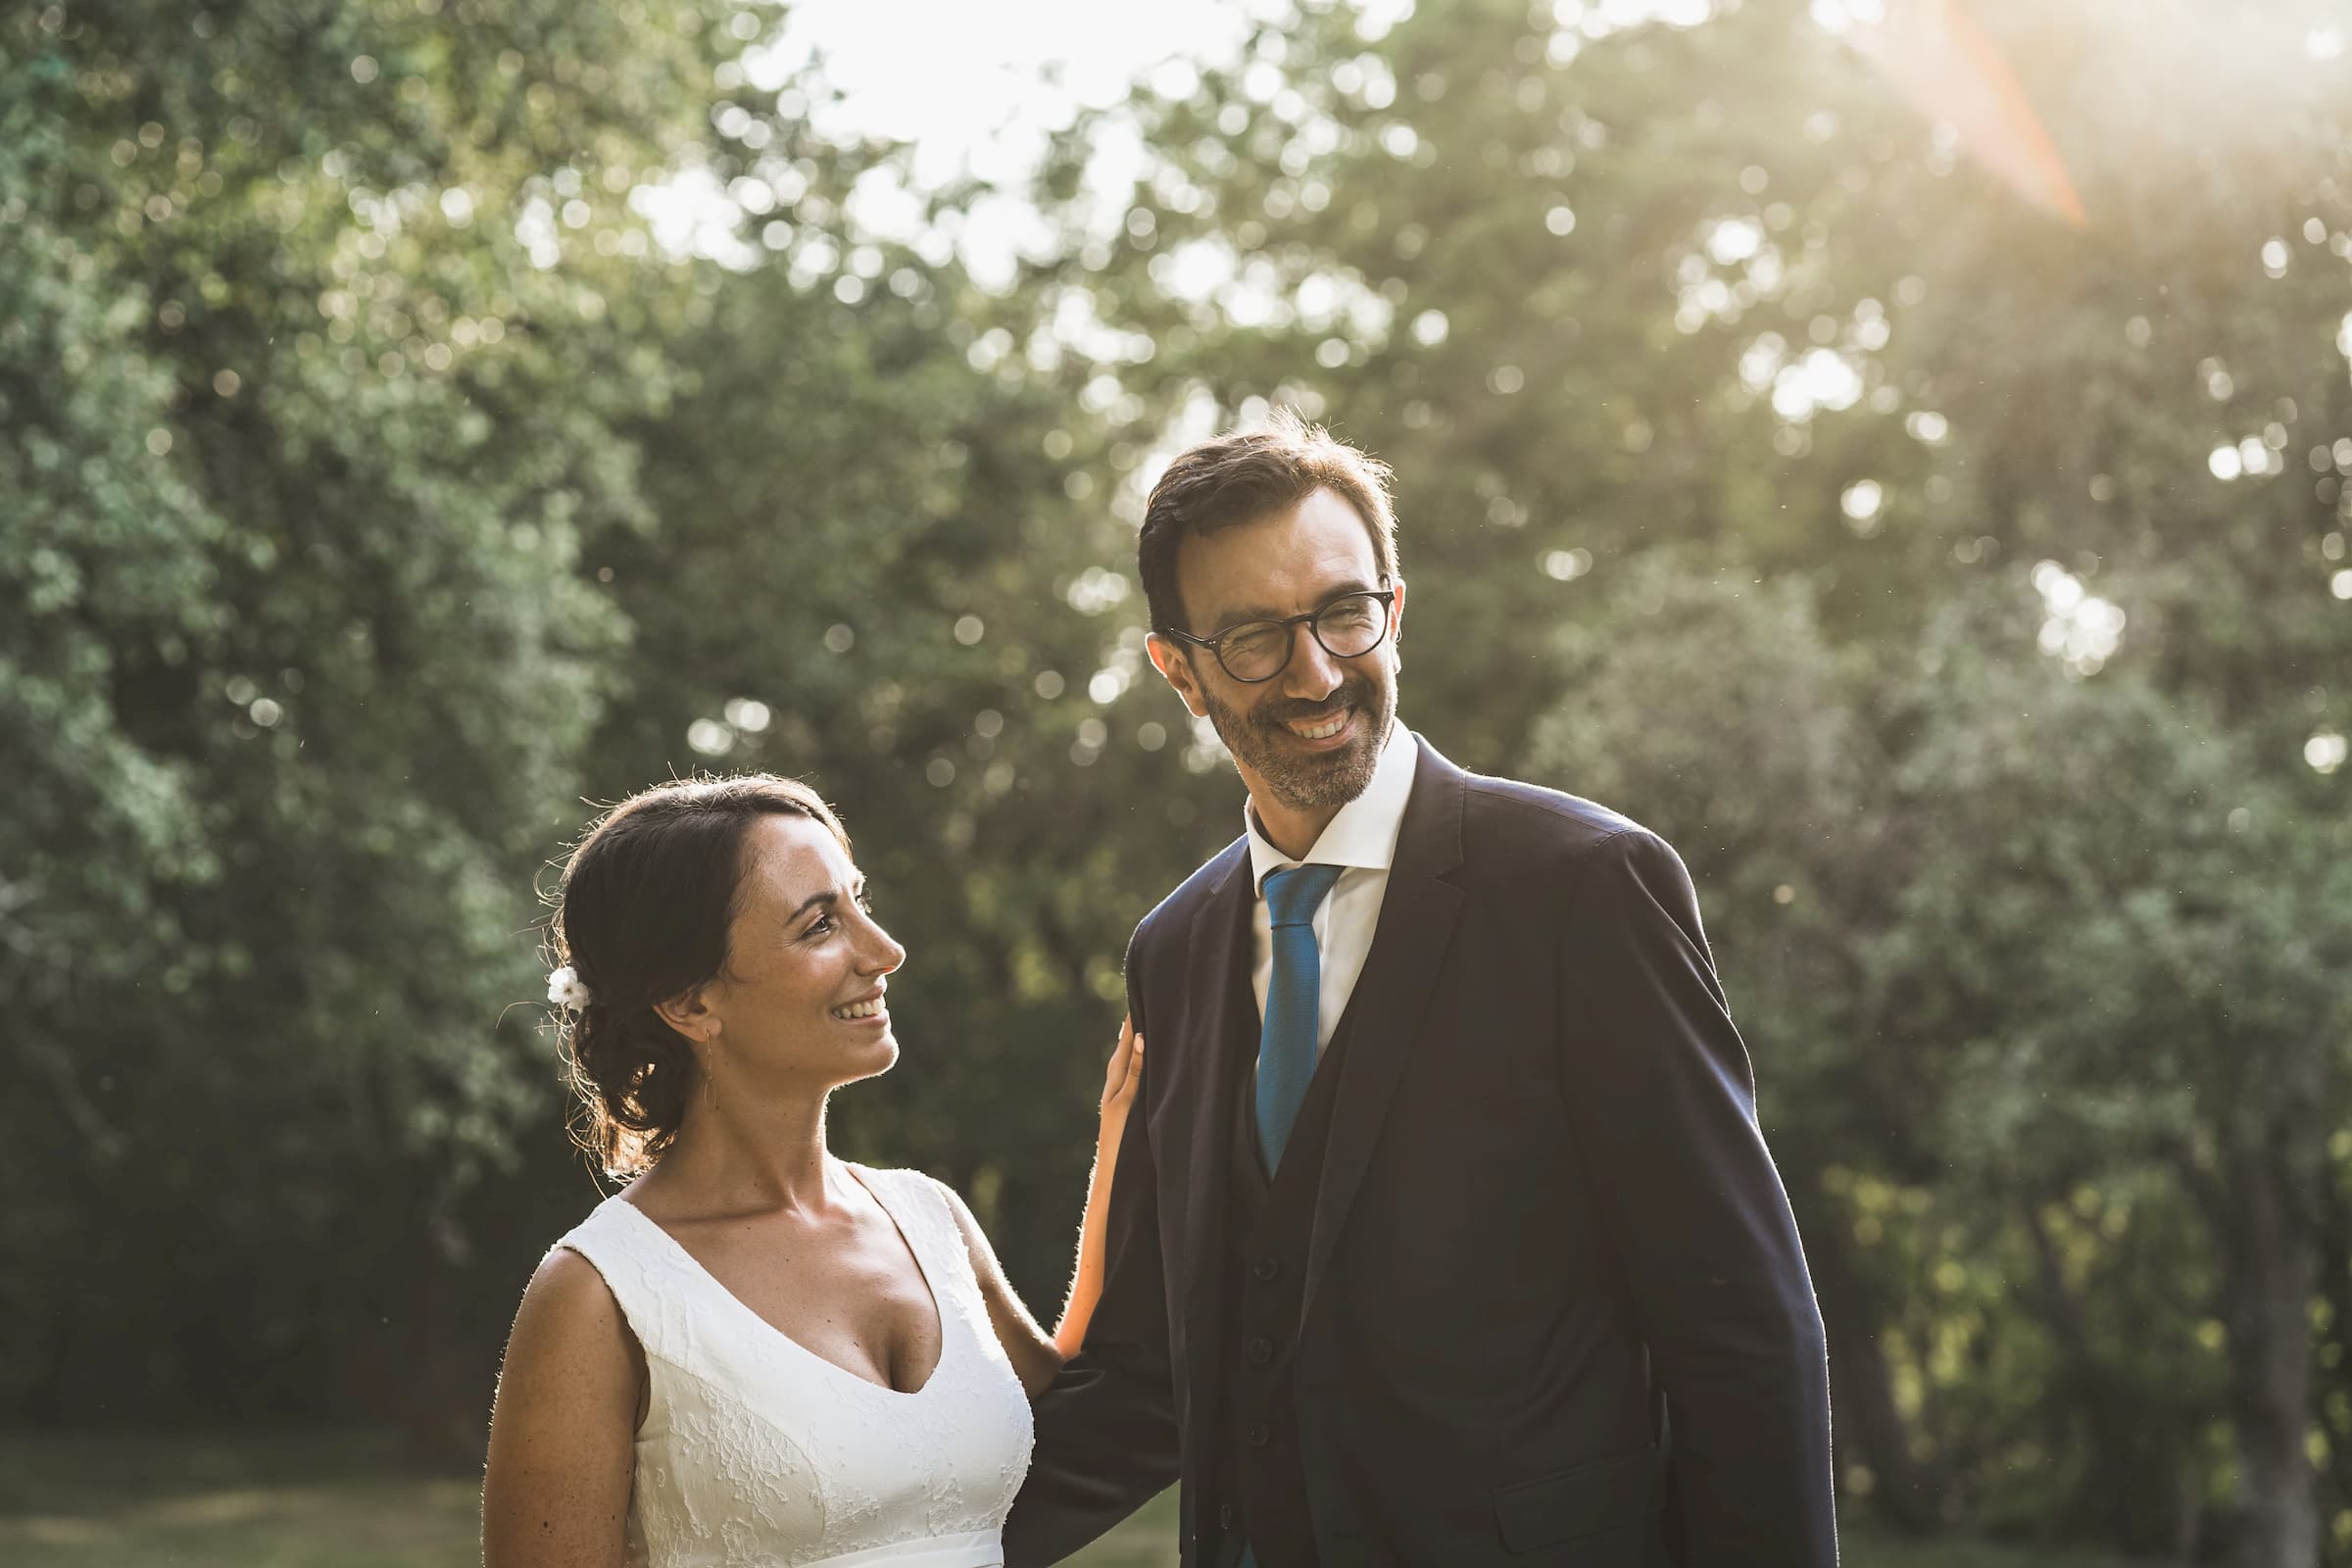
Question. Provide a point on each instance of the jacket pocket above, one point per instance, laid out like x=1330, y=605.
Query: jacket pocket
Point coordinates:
x=1607, y=1495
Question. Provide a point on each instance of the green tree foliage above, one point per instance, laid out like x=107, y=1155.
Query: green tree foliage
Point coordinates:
x=298, y=445
x=1964, y=591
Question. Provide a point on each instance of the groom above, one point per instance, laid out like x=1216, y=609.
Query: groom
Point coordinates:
x=1444, y=1232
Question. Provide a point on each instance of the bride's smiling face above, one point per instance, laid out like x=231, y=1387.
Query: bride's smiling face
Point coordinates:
x=799, y=1001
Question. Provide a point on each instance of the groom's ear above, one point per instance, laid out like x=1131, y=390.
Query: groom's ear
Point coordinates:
x=1176, y=665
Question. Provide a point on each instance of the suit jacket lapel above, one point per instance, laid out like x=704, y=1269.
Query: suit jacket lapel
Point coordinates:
x=1221, y=958
x=1417, y=914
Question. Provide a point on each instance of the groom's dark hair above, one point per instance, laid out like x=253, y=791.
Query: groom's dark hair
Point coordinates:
x=1242, y=478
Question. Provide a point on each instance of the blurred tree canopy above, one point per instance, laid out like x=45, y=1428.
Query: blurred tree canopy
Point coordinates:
x=1964, y=590
x=297, y=461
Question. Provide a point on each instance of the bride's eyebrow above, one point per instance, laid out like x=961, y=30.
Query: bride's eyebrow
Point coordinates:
x=828, y=897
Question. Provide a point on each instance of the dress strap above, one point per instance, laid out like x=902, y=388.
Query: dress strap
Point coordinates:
x=922, y=1207
x=644, y=1276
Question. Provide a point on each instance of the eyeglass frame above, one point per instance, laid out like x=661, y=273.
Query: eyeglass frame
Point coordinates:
x=1386, y=597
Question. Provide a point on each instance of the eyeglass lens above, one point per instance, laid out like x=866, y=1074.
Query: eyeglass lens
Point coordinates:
x=1345, y=627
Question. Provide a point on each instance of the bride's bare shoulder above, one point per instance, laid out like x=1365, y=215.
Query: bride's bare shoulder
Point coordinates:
x=570, y=1397
x=568, y=1313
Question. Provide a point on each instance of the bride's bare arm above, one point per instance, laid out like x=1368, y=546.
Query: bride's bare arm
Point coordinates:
x=1035, y=1355
x=1120, y=1079
x=564, y=1427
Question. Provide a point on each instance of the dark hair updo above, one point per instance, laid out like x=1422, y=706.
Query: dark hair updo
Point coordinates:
x=641, y=916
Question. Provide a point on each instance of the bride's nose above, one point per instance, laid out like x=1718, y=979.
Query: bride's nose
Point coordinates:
x=882, y=952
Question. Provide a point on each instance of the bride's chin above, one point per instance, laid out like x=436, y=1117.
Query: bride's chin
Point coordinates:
x=870, y=1064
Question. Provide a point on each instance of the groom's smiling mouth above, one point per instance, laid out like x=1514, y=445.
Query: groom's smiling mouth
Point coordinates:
x=1323, y=729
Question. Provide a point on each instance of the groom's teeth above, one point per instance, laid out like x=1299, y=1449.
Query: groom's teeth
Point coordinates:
x=859, y=1010
x=1322, y=731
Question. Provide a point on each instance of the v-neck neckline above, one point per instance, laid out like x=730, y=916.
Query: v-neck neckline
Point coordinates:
x=906, y=1239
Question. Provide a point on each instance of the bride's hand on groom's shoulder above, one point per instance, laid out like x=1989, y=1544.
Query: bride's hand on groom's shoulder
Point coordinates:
x=1119, y=1078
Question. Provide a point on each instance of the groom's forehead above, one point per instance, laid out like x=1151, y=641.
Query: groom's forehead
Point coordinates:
x=1277, y=564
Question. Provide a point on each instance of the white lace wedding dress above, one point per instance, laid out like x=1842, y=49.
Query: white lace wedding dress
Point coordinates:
x=755, y=1451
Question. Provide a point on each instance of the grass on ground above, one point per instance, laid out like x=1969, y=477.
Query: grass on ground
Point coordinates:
x=344, y=1500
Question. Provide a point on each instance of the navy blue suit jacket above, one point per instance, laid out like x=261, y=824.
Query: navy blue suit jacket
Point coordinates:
x=1555, y=1309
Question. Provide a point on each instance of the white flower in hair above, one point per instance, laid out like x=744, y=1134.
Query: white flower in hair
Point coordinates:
x=565, y=989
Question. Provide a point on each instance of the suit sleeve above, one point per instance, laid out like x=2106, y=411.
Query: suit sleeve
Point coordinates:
x=1106, y=1437
x=1662, y=1101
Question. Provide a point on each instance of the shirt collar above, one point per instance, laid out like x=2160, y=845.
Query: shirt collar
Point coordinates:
x=1364, y=832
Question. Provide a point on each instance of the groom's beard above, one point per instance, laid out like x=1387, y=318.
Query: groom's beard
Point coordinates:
x=1303, y=780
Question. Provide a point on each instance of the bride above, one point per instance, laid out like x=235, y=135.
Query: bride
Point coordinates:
x=756, y=1352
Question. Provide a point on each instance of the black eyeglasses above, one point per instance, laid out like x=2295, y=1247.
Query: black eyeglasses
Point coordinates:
x=1348, y=627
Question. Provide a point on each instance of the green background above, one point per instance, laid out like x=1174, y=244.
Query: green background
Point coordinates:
x=1962, y=588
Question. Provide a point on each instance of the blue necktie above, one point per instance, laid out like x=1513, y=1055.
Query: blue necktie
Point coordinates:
x=1285, y=1040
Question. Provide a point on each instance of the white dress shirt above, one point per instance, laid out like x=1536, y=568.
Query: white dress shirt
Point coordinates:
x=1361, y=839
